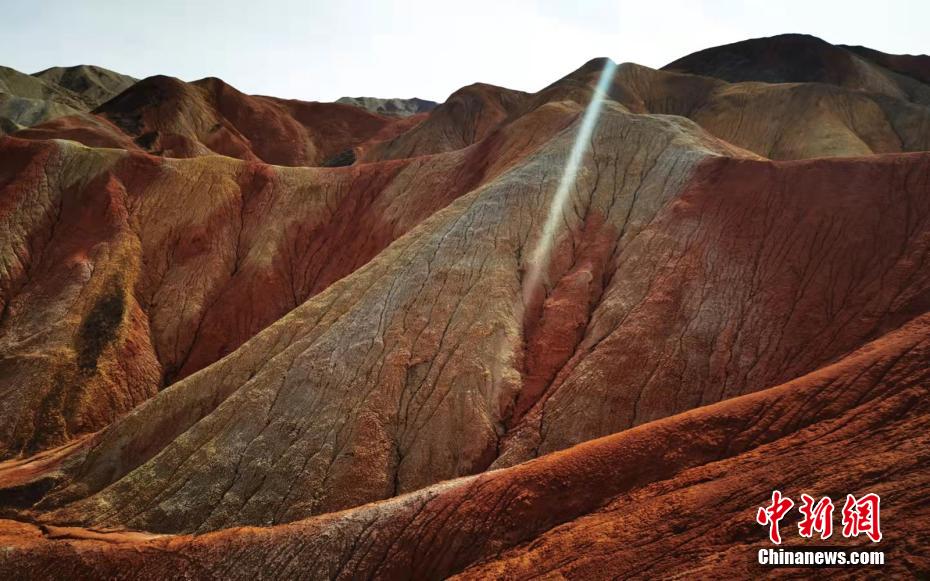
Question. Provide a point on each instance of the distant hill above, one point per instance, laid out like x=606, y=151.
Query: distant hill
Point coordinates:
x=29, y=100
x=13, y=82
x=396, y=107
x=92, y=85
x=801, y=58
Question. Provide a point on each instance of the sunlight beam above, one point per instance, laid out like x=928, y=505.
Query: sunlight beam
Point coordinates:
x=539, y=262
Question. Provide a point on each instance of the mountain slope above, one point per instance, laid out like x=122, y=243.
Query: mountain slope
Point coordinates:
x=582, y=332
x=386, y=415
x=199, y=275
x=644, y=511
x=19, y=112
x=83, y=128
x=382, y=418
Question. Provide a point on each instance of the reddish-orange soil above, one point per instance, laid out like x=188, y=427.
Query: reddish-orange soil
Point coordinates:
x=246, y=337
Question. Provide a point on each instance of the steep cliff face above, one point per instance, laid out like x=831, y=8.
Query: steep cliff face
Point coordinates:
x=591, y=352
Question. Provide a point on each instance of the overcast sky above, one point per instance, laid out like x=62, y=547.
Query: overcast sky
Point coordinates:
x=322, y=50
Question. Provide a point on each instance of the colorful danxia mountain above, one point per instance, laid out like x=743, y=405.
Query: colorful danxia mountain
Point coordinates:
x=581, y=333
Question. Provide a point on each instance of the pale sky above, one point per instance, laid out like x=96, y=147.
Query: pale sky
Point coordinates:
x=322, y=50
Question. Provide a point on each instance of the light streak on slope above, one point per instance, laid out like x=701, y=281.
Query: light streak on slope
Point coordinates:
x=539, y=261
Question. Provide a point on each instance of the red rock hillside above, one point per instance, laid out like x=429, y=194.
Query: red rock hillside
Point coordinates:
x=244, y=337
